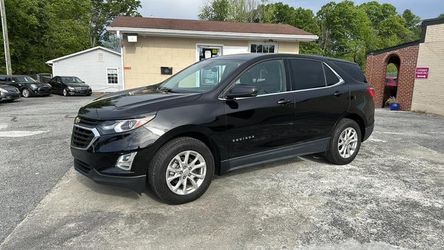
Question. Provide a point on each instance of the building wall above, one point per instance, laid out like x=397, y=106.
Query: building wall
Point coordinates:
x=428, y=94
x=376, y=69
x=142, y=60
x=91, y=67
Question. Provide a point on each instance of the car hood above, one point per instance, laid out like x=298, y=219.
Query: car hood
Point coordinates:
x=76, y=85
x=8, y=87
x=133, y=103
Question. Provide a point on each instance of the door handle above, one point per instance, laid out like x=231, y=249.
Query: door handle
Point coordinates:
x=283, y=101
x=337, y=93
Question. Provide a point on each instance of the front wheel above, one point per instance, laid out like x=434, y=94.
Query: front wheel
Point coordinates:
x=26, y=93
x=345, y=143
x=65, y=92
x=181, y=171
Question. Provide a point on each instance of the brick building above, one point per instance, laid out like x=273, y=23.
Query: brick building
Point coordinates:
x=420, y=79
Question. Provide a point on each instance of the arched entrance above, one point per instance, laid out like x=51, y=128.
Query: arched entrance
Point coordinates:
x=391, y=82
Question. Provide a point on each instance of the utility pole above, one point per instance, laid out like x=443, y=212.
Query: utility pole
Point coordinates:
x=5, y=37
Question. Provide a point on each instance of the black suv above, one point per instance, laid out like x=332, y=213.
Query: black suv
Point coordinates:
x=223, y=114
x=26, y=85
x=69, y=85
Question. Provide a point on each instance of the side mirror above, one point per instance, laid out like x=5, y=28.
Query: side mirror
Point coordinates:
x=242, y=91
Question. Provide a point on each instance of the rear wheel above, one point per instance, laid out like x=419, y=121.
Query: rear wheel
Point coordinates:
x=181, y=171
x=345, y=142
x=26, y=93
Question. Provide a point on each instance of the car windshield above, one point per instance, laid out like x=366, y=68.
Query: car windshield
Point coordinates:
x=201, y=77
x=71, y=79
x=23, y=79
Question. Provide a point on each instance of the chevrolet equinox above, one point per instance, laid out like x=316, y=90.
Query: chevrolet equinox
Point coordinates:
x=223, y=114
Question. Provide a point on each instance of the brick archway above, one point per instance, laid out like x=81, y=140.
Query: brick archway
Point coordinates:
x=376, y=69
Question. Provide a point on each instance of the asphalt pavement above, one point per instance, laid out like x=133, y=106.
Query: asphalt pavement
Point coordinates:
x=390, y=197
x=34, y=152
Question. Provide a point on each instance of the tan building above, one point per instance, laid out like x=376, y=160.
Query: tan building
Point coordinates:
x=428, y=93
x=419, y=84
x=155, y=48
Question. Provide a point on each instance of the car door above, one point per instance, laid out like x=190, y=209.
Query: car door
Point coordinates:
x=263, y=122
x=56, y=85
x=321, y=98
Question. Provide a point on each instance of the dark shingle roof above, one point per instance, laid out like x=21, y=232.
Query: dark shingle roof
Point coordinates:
x=200, y=25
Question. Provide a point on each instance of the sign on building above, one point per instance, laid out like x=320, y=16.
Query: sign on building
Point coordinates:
x=422, y=73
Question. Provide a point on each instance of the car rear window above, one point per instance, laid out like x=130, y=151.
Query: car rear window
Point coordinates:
x=330, y=77
x=353, y=70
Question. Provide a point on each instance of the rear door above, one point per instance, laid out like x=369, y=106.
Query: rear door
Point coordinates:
x=264, y=122
x=320, y=95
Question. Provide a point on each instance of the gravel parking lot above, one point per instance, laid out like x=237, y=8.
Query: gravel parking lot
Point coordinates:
x=391, y=196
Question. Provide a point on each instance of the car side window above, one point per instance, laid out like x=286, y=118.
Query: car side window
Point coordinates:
x=307, y=74
x=268, y=77
x=330, y=77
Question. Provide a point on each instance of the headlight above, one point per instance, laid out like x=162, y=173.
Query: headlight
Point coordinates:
x=3, y=90
x=111, y=127
x=33, y=86
x=71, y=88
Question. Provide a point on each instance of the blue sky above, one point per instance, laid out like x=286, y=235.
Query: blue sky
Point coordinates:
x=189, y=9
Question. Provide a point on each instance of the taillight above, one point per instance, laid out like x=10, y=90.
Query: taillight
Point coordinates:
x=371, y=91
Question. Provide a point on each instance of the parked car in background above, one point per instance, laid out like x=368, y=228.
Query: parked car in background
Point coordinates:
x=42, y=77
x=8, y=93
x=27, y=85
x=69, y=85
x=244, y=110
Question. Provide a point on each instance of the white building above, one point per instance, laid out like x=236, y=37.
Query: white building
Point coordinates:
x=99, y=67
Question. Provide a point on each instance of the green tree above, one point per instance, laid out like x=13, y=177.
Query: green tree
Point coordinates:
x=346, y=31
x=216, y=10
x=232, y=10
x=298, y=17
x=104, y=11
x=413, y=23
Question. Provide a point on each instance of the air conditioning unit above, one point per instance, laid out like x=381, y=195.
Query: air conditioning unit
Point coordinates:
x=132, y=38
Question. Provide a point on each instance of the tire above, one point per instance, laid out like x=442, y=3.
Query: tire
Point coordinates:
x=26, y=93
x=65, y=92
x=166, y=160
x=336, y=153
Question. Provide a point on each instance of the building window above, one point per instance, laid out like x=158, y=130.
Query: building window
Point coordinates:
x=262, y=48
x=112, y=76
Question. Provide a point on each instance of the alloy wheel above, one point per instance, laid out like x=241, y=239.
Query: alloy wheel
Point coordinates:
x=186, y=172
x=65, y=93
x=25, y=93
x=347, y=142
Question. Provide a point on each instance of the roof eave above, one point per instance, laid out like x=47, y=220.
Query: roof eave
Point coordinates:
x=213, y=34
x=50, y=62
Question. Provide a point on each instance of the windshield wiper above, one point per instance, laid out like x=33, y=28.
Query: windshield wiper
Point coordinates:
x=165, y=89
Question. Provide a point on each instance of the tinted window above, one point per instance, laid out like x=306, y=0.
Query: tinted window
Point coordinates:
x=268, y=77
x=307, y=74
x=330, y=77
x=353, y=70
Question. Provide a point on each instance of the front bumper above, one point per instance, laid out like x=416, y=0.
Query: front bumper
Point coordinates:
x=9, y=96
x=136, y=183
x=79, y=92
